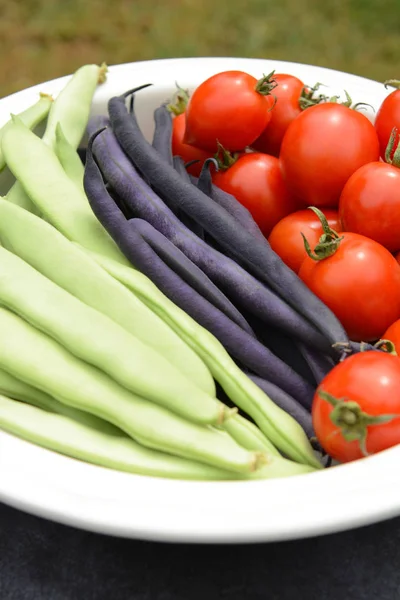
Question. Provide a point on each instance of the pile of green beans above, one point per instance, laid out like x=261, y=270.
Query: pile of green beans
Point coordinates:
x=95, y=362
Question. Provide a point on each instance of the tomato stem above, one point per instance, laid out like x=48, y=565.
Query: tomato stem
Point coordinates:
x=224, y=158
x=307, y=97
x=392, y=152
x=266, y=84
x=386, y=346
x=179, y=101
x=351, y=420
x=392, y=83
x=328, y=242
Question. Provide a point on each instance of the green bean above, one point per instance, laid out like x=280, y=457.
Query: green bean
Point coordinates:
x=72, y=106
x=71, y=109
x=16, y=389
x=245, y=433
x=31, y=117
x=69, y=158
x=79, y=440
x=37, y=359
x=50, y=253
x=58, y=199
x=279, y=427
x=96, y=339
x=248, y=435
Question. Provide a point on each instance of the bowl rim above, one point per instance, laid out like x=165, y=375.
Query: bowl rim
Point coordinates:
x=128, y=505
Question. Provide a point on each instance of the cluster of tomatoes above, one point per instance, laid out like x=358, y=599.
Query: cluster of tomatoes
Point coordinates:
x=282, y=149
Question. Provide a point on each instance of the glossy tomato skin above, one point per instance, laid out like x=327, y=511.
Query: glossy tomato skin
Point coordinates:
x=372, y=379
x=360, y=283
x=226, y=107
x=322, y=148
x=286, y=239
x=256, y=182
x=286, y=109
x=387, y=117
x=186, y=151
x=370, y=204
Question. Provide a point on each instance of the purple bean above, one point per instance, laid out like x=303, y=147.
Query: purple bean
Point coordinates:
x=246, y=291
x=162, y=138
x=320, y=364
x=227, y=201
x=180, y=168
x=237, y=342
x=256, y=254
x=286, y=402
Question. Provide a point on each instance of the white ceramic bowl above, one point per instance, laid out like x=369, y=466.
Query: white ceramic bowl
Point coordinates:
x=72, y=492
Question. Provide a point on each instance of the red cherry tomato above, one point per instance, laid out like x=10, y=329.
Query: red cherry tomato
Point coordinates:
x=372, y=381
x=370, y=204
x=387, y=117
x=393, y=334
x=286, y=239
x=228, y=109
x=256, y=181
x=186, y=151
x=286, y=109
x=360, y=283
x=322, y=148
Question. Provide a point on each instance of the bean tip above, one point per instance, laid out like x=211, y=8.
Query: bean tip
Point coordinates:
x=225, y=413
x=47, y=96
x=103, y=69
x=260, y=459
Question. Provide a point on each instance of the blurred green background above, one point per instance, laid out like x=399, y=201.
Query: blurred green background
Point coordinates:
x=42, y=39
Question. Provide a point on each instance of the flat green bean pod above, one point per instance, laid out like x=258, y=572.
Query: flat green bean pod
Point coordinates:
x=16, y=389
x=279, y=427
x=79, y=440
x=31, y=117
x=246, y=435
x=71, y=109
x=96, y=339
x=69, y=158
x=49, y=252
x=57, y=198
x=42, y=362
x=72, y=105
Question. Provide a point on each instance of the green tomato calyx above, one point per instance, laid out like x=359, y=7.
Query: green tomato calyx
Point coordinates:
x=308, y=97
x=392, y=152
x=224, y=158
x=352, y=421
x=386, y=346
x=179, y=101
x=392, y=83
x=266, y=85
x=328, y=242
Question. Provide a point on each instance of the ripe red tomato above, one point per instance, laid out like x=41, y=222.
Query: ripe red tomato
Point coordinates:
x=228, y=108
x=360, y=283
x=186, y=151
x=322, y=147
x=393, y=334
x=370, y=204
x=387, y=117
x=286, y=239
x=286, y=109
x=256, y=181
x=367, y=385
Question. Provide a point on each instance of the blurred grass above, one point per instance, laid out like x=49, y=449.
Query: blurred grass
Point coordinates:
x=42, y=39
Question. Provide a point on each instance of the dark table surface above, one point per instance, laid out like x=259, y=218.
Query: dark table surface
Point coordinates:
x=42, y=560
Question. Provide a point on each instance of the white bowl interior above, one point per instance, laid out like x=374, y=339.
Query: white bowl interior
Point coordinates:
x=57, y=487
